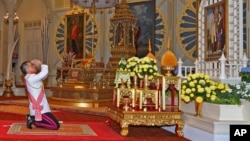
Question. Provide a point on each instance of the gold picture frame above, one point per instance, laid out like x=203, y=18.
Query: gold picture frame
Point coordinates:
x=74, y=34
x=216, y=33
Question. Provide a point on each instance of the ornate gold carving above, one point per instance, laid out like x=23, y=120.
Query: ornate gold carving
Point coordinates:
x=151, y=94
x=154, y=118
x=8, y=90
x=125, y=92
x=73, y=95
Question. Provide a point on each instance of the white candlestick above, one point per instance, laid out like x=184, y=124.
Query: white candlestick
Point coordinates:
x=133, y=98
x=156, y=100
x=163, y=93
x=118, y=98
x=140, y=104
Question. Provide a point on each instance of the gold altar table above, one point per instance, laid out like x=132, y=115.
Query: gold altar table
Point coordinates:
x=81, y=96
x=170, y=116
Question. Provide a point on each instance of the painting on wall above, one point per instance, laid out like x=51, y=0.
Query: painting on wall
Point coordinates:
x=74, y=34
x=215, y=33
x=145, y=13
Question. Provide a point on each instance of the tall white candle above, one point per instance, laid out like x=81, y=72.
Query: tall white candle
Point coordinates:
x=140, y=102
x=163, y=93
x=118, y=98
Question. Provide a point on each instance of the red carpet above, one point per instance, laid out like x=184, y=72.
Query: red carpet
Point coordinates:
x=17, y=114
x=104, y=133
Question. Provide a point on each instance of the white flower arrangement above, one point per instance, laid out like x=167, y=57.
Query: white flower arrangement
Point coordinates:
x=243, y=89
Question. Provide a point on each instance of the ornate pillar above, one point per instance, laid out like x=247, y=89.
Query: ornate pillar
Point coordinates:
x=9, y=19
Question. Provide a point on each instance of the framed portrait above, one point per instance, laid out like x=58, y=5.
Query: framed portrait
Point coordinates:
x=144, y=11
x=75, y=34
x=215, y=31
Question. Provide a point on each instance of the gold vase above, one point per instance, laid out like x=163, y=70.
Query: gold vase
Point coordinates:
x=198, y=107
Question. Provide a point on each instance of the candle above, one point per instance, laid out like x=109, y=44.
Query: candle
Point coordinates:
x=145, y=81
x=135, y=81
x=133, y=98
x=140, y=104
x=118, y=98
x=158, y=84
x=156, y=100
x=163, y=93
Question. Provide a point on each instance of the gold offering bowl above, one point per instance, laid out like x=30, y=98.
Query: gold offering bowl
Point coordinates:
x=168, y=70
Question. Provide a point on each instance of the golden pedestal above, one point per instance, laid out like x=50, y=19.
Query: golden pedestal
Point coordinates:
x=170, y=116
x=8, y=90
x=81, y=96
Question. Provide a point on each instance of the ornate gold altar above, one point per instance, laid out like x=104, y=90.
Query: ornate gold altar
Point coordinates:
x=146, y=106
x=86, y=85
x=81, y=96
x=145, y=103
x=170, y=116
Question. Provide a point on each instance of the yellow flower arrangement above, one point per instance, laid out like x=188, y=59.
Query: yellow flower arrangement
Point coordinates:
x=131, y=66
x=226, y=94
x=142, y=67
x=200, y=88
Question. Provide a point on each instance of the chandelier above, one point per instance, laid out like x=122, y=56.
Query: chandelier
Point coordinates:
x=7, y=16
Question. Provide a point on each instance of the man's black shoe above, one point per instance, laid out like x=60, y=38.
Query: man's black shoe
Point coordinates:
x=29, y=121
